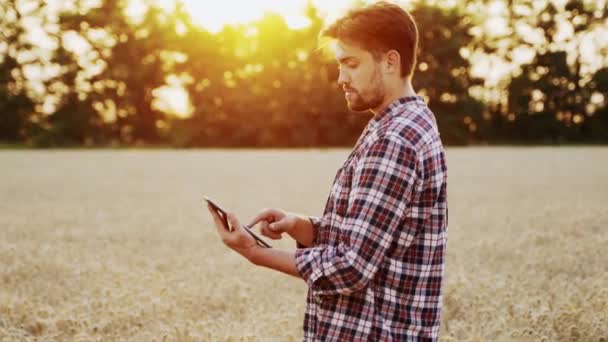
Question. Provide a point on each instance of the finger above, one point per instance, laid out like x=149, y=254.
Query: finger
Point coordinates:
x=268, y=233
x=234, y=222
x=278, y=227
x=219, y=223
x=215, y=216
x=265, y=214
x=271, y=235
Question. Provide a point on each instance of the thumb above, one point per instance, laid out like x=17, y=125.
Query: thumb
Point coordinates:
x=279, y=226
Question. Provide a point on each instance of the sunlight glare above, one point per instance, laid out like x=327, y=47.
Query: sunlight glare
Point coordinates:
x=173, y=98
x=231, y=12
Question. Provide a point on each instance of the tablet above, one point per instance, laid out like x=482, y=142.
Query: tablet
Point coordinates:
x=222, y=214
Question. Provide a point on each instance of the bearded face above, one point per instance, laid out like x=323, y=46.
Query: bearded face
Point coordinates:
x=360, y=78
x=369, y=95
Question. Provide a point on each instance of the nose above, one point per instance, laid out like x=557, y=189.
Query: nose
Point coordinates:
x=343, y=78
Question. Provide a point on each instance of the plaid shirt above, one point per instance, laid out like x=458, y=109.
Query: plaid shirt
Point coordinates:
x=375, y=267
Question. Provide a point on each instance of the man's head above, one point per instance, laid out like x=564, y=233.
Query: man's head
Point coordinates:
x=376, y=51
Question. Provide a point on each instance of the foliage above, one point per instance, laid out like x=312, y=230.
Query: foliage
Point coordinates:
x=266, y=84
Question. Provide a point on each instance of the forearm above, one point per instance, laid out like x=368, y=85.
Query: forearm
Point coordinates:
x=303, y=231
x=275, y=259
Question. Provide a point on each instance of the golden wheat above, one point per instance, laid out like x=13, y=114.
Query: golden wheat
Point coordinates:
x=117, y=245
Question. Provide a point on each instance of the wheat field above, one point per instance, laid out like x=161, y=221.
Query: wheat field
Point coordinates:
x=116, y=245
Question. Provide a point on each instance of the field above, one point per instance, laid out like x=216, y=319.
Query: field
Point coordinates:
x=115, y=245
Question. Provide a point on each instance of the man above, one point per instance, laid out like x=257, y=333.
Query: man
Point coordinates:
x=374, y=262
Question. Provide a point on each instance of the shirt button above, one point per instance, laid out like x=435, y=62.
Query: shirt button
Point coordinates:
x=318, y=300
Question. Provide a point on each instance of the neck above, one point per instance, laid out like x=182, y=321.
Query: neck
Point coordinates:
x=403, y=90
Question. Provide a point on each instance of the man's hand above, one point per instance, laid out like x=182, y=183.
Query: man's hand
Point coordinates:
x=274, y=222
x=238, y=239
x=244, y=244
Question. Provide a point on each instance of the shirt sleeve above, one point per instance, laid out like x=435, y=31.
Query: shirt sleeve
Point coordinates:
x=382, y=184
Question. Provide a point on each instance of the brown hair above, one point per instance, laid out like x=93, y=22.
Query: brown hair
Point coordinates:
x=379, y=28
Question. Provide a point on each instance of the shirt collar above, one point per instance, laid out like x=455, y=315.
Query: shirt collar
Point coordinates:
x=393, y=108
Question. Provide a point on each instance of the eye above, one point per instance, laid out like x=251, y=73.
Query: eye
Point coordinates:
x=350, y=65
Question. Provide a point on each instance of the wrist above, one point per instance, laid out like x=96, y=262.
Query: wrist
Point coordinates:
x=252, y=254
x=295, y=226
x=303, y=231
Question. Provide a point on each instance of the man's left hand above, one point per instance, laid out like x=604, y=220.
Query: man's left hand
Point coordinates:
x=238, y=239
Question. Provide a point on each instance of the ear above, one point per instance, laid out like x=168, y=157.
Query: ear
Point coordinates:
x=393, y=62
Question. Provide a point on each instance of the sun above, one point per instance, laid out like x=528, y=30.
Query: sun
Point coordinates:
x=213, y=16
x=173, y=97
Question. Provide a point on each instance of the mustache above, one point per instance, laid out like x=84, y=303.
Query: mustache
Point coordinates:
x=347, y=89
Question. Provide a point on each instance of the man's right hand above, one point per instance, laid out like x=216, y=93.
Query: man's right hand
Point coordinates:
x=274, y=222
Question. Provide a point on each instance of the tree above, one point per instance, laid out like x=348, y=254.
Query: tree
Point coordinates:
x=442, y=73
x=15, y=105
x=551, y=96
x=133, y=54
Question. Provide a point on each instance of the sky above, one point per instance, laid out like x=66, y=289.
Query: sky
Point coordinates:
x=214, y=17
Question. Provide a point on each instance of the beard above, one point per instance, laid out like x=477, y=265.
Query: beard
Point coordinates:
x=369, y=98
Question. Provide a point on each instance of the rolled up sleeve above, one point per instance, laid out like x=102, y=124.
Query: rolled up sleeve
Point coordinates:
x=382, y=184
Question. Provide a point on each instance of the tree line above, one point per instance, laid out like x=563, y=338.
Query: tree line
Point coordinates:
x=265, y=84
